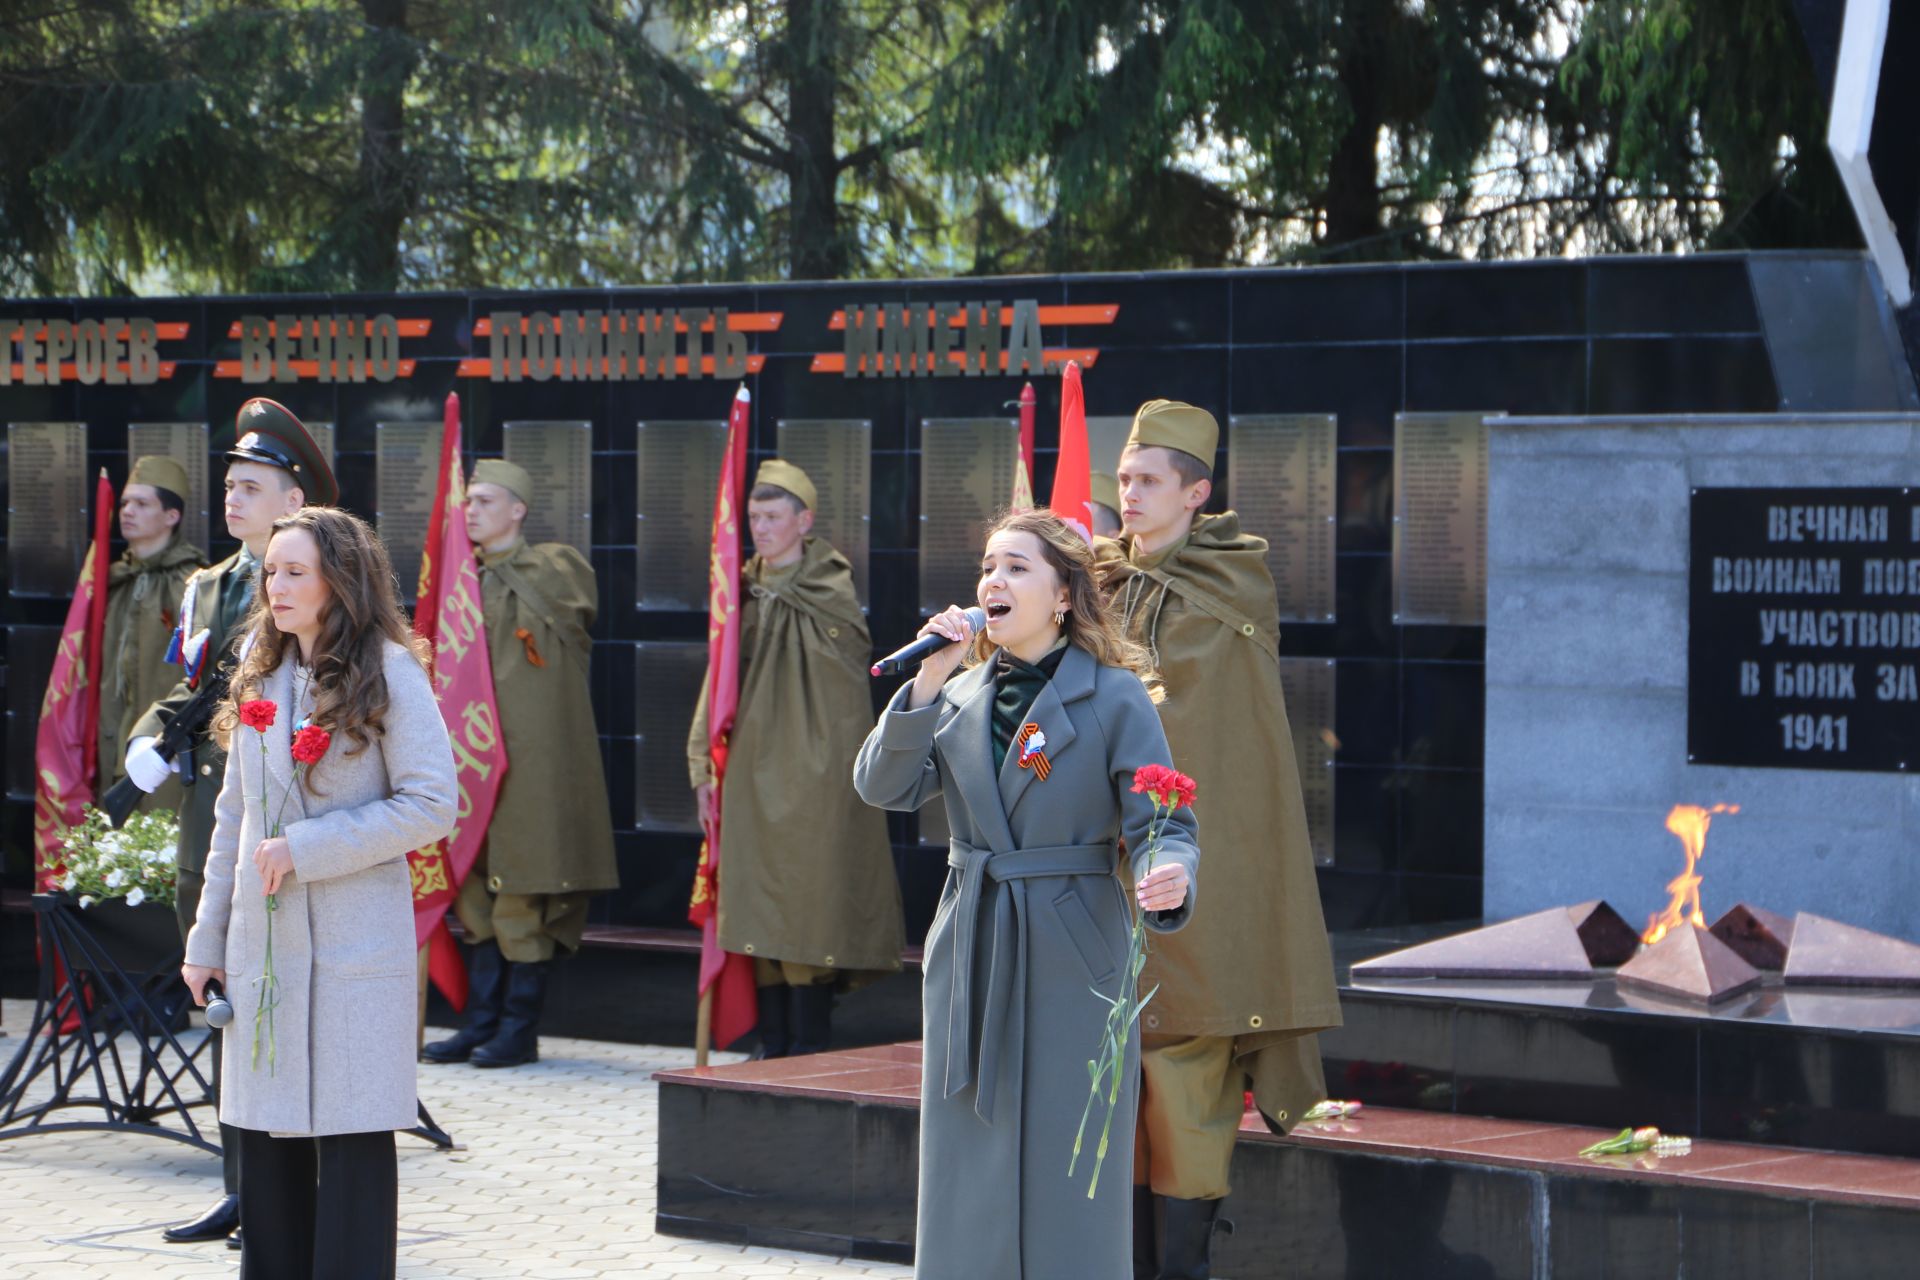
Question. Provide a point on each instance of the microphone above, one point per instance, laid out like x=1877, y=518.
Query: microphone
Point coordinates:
x=903, y=657
x=219, y=1008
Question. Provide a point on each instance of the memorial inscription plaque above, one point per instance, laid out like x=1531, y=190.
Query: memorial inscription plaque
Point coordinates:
x=837, y=456
x=1803, y=635
x=559, y=458
x=185, y=443
x=1282, y=482
x=679, y=464
x=1308, y=684
x=966, y=475
x=406, y=462
x=1106, y=437
x=667, y=676
x=47, y=530
x=322, y=433
x=1440, y=519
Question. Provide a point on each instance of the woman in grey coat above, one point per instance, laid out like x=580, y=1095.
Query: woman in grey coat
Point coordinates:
x=1034, y=918
x=317, y=1102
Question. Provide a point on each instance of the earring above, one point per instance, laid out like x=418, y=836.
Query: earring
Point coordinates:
x=1059, y=617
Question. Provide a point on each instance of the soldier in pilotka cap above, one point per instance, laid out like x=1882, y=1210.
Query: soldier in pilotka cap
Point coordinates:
x=1245, y=987
x=273, y=469
x=807, y=886
x=144, y=589
x=549, y=844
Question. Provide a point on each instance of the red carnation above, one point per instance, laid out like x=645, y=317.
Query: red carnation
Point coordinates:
x=1169, y=788
x=258, y=714
x=310, y=744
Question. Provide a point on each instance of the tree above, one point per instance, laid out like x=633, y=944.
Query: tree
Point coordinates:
x=1388, y=128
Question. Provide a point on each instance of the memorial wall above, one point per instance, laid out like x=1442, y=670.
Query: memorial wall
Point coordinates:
x=1353, y=404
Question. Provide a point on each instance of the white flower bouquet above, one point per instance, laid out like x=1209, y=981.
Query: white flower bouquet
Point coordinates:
x=135, y=862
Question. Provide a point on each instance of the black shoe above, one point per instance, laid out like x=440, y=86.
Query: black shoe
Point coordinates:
x=812, y=1019
x=215, y=1224
x=1146, y=1265
x=1185, y=1229
x=775, y=1029
x=486, y=986
x=517, y=1042
x=233, y=1241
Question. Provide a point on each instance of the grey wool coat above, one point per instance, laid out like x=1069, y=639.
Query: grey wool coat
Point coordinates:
x=343, y=934
x=1033, y=918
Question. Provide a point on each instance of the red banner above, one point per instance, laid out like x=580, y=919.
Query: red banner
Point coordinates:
x=1023, y=465
x=735, y=1004
x=450, y=615
x=1072, y=474
x=67, y=741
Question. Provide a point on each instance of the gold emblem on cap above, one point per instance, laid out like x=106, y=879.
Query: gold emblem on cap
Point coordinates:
x=257, y=408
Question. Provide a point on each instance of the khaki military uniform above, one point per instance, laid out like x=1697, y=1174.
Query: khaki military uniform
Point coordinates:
x=221, y=598
x=550, y=842
x=143, y=604
x=807, y=885
x=1243, y=991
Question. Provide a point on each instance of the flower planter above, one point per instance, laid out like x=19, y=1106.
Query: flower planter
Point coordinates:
x=139, y=939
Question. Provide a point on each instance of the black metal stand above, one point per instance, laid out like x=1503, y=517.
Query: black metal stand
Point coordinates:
x=100, y=1039
x=430, y=1129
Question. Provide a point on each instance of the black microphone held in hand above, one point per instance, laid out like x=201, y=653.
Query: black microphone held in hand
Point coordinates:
x=219, y=1008
x=900, y=659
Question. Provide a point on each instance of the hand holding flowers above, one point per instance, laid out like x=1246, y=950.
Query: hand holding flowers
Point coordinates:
x=273, y=858
x=1158, y=890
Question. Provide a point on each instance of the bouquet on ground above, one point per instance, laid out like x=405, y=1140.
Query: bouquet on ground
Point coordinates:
x=1169, y=789
x=310, y=743
x=1631, y=1141
x=99, y=863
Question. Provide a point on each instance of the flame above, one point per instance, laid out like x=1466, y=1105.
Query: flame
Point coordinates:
x=1690, y=823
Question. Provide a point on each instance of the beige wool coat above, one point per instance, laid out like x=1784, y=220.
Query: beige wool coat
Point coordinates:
x=343, y=934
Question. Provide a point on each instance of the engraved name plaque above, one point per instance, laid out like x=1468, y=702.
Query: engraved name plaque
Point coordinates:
x=1106, y=437
x=47, y=531
x=406, y=460
x=1307, y=685
x=559, y=458
x=1281, y=481
x=679, y=466
x=1440, y=519
x=186, y=444
x=667, y=677
x=837, y=456
x=322, y=433
x=966, y=476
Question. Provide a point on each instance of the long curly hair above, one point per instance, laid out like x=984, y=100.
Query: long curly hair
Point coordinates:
x=362, y=612
x=1091, y=623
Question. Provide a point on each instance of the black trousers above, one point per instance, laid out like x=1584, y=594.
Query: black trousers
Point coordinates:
x=318, y=1208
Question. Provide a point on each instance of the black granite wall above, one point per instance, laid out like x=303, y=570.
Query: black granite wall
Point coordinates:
x=1706, y=334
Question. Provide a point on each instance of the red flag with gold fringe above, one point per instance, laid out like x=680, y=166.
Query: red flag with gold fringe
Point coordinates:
x=66, y=743
x=449, y=615
x=727, y=975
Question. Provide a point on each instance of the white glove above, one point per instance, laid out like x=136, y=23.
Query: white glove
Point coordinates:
x=145, y=766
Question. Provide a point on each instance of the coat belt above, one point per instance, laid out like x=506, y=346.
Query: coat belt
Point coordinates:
x=1006, y=980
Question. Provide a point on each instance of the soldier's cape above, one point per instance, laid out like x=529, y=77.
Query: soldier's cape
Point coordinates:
x=806, y=868
x=1254, y=964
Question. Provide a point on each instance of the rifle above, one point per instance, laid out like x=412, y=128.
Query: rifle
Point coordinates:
x=174, y=743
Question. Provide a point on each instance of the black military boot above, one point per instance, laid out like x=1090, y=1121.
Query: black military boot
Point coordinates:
x=518, y=1040
x=812, y=1019
x=486, y=988
x=1146, y=1264
x=1185, y=1229
x=222, y=1220
x=776, y=1034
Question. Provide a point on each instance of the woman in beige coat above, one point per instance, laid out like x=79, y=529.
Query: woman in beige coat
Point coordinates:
x=318, y=1081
